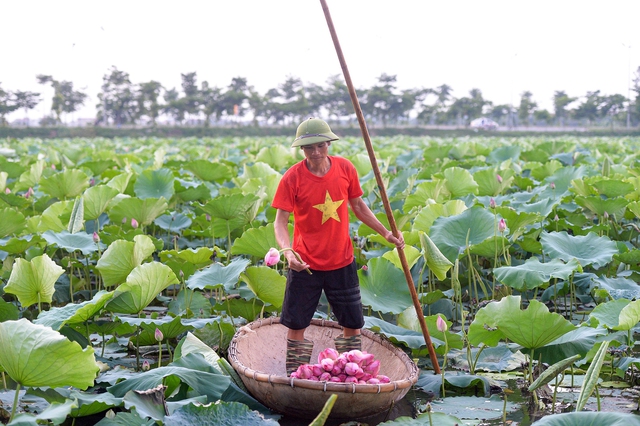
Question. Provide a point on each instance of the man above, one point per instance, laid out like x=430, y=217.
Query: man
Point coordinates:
x=317, y=191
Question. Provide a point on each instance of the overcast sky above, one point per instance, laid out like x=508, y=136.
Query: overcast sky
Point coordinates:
x=502, y=48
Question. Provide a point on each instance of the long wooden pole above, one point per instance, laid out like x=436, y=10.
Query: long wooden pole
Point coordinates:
x=383, y=193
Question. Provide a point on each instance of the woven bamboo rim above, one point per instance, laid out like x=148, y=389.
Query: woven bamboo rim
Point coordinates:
x=258, y=376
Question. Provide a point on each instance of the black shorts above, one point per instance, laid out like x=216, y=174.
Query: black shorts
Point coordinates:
x=303, y=293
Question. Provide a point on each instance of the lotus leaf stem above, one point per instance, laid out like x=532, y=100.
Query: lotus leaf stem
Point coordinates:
x=15, y=402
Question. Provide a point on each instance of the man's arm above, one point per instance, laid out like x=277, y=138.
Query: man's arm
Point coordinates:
x=281, y=228
x=364, y=213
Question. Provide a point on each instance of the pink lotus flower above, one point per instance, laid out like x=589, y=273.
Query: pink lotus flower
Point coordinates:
x=327, y=364
x=355, y=356
x=325, y=377
x=29, y=193
x=305, y=371
x=336, y=371
x=335, y=379
x=384, y=379
x=499, y=178
x=351, y=379
x=441, y=324
x=328, y=353
x=373, y=368
x=272, y=257
x=502, y=225
x=492, y=203
x=158, y=335
x=134, y=223
x=7, y=191
x=351, y=368
x=373, y=381
x=146, y=366
x=295, y=375
x=96, y=238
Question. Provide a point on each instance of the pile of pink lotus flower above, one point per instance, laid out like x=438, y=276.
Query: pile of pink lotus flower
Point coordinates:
x=354, y=366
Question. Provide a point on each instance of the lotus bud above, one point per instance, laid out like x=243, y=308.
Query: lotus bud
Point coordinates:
x=373, y=368
x=53, y=167
x=384, y=379
x=342, y=377
x=336, y=371
x=502, y=225
x=552, y=185
x=499, y=178
x=329, y=353
x=351, y=379
x=92, y=182
x=355, y=356
x=29, y=193
x=96, y=238
x=272, y=257
x=325, y=377
x=492, y=203
x=361, y=382
x=340, y=362
x=305, y=371
x=351, y=368
x=605, y=215
x=7, y=191
x=207, y=217
x=146, y=366
x=317, y=369
x=313, y=379
x=295, y=375
x=367, y=358
x=124, y=220
x=441, y=324
x=158, y=335
x=327, y=364
x=373, y=381
x=134, y=223
x=365, y=268
x=359, y=373
x=335, y=379
x=366, y=377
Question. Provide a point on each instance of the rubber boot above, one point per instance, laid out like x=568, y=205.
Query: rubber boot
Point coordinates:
x=346, y=344
x=298, y=353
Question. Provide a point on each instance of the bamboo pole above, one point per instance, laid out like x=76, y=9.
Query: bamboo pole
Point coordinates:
x=383, y=193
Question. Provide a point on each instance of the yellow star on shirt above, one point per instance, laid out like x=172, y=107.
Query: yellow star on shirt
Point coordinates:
x=329, y=209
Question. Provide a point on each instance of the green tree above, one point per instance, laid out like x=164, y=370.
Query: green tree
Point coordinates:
x=118, y=98
x=636, y=89
x=65, y=98
x=542, y=115
x=589, y=109
x=7, y=104
x=527, y=106
x=337, y=100
x=147, y=95
x=233, y=99
x=26, y=100
x=466, y=109
x=379, y=100
x=192, y=95
x=174, y=105
x=210, y=102
x=560, y=103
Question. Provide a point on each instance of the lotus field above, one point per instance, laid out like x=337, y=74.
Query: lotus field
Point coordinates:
x=129, y=264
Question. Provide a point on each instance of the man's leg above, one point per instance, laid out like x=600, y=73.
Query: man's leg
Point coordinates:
x=298, y=350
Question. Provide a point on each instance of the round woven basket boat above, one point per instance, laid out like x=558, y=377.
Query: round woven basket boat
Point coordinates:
x=257, y=353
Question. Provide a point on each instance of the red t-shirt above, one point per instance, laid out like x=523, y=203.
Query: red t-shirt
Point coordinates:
x=320, y=210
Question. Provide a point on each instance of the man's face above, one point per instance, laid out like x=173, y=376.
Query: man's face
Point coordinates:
x=317, y=150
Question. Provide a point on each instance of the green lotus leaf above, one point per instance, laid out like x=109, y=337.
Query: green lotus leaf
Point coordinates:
x=504, y=153
x=209, y=171
x=428, y=215
x=452, y=234
x=12, y=223
x=434, y=418
x=276, y=156
x=96, y=200
x=76, y=221
x=460, y=182
x=188, y=192
x=200, y=257
x=33, y=281
x=217, y=275
x=56, y=217
x=620, y=314
x=120, y=182
x=532, y=274
x=8, y=311
x=191, y=344
x=488, y=182
x=436, y=261
x=35, y=356
x=247, y=309
x=531, y=328
x=56, y=413
x=585, y=418
x=230, y=212
x=409, y=320
x=411, y=253
x=203, y=382
x=220, y=413
x=383, y=287
x=588, y=249
x=145, y=211
x=426, y=192
x=154, y=184
x=124, y=418
x=614, y=207
x=257, y=241
x=577, y=342
x=265, y=188
x=412, y=339
x=74, y=312
x=22, y=244
x=31, y=178
x=518, y=221
x=67, y=184
x=267, y=284
x=121, y=257
x=492, y=247
x=71, y=242
x=143, y=285
x=174, y=222
x=612, y=188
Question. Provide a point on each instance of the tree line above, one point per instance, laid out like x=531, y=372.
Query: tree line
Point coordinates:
x=122, y=102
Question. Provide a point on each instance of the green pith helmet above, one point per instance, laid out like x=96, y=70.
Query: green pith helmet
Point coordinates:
x=313, y=130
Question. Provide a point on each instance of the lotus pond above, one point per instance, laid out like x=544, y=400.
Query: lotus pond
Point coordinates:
x=129, y=264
